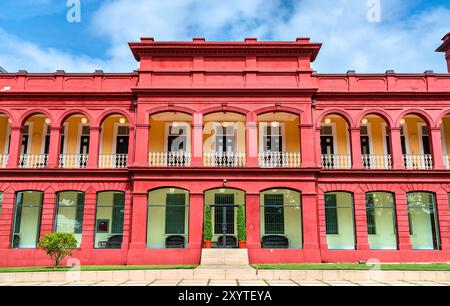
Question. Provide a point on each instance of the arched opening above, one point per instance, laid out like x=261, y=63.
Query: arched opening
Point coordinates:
x=416, y=143
x=168, y=218
x=170, y=140
x=115, y=139
x=224, y=143
x=445, y=134
x=381, y=221
x=279, y=140
x=75, y=139
x=423, y=221
x=109, y=220
x=35, y=143
x=340, y=221
x=281, y=219
x=375, y=143
x=5, y=135
x=335, y=143
x=69, y=213
x=223, y=208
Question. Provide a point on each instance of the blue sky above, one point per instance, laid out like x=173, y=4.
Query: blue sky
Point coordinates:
x=35, y=34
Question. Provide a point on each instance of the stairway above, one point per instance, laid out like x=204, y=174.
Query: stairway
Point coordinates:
x=225, y=264
x=224, y=257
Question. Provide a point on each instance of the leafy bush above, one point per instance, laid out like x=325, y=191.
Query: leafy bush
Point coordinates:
x=207, y=227
x=58, y=246
x=241, y=227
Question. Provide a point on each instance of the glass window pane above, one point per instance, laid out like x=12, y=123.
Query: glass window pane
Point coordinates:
x=109, y=220
x=281, y=215
x=340, y=222
x=381, y=223
x=423, y=221
x=1, y=203
x=27, y=219
x=69, y=213
x=168, y=218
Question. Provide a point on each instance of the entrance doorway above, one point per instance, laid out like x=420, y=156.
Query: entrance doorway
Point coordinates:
x=224, y=204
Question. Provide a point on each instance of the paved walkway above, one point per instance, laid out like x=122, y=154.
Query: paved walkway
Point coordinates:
x=232, y=283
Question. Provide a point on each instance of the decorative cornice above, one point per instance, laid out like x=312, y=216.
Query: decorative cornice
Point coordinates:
x=183, y=92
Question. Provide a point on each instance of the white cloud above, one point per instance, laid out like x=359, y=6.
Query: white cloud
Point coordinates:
x=18, y=54
x=402, y=41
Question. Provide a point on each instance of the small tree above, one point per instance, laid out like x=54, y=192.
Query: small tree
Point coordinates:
x=241, y=227
x=207, y=227
x=58, y=246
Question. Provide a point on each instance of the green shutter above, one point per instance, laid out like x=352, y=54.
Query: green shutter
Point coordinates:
x=18, y=216
x=274, y=214
x=79, y=213
x=117, y=213
x=175, y=213
x=331, y=214
x=370, y=208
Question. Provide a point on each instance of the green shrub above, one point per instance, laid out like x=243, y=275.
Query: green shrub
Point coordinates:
x=207, y=227
x=241, y=227
x=58, y=246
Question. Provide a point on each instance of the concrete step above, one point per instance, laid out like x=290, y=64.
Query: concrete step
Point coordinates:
x=224, y=257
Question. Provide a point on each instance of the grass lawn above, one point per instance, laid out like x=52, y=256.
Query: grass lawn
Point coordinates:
x=96, y=268
x=349, y=266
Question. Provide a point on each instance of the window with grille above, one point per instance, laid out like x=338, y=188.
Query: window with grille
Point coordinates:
x=224, y=199
x=117, y=213
x=326, y=131
x=371, y=223
x=274, y=214
x=175, y=213
x=331, y=214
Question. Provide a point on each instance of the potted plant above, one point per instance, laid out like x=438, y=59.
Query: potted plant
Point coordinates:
x=207, y=229
x=241, y=228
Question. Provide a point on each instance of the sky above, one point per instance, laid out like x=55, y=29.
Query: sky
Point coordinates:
x=369, y=36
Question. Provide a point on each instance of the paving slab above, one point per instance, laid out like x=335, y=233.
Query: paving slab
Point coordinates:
x=304, y=283
x=341, y=283
x=278, y=283
x=164, y=283
x=224, y=283
x=428, y=284
x=252, y=283
x=107, y=284
x=370, y=284
x=194, y=283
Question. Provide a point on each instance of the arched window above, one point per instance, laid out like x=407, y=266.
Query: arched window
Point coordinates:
x=109, y=220
x=27, y=219
x=340, y=223
x=423, y=221
x=381, y=224
x=69, y=213
x=281, y=219
x=167, y=220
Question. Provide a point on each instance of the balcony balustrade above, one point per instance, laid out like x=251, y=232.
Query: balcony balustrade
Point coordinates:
x=418, y=161
x=279, y=159
x=33, y=161
x=336, y=161
x=224, y=159
x=376, y=162
x=169, y=159
x=113, y=161
x=73, y=161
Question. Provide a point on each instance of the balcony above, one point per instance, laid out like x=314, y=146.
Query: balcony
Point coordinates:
x=224, y=159
x=336, y=161
x=169, y=159
x=33, y=161
x=113, y=161
x=73, y=161
x=376, y=162
x=4, y=160
x=418, y=161
x=279, y=159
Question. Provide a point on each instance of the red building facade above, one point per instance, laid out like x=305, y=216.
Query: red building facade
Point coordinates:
x=293, y=131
